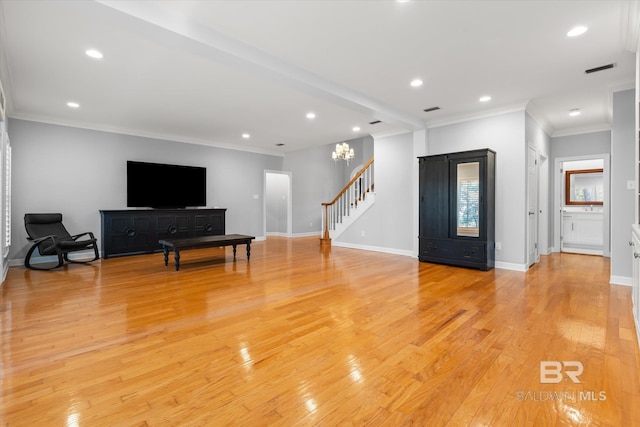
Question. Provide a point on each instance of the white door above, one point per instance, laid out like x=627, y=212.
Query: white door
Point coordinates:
x=532, y=205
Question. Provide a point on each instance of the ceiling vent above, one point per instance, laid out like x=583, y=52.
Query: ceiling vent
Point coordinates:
x=428, y=110
x=600, y=68
x=375, y=122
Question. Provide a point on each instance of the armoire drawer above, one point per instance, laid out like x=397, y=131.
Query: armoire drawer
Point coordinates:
x=453, y=249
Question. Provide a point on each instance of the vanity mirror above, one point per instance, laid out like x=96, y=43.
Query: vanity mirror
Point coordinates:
x=584, y=187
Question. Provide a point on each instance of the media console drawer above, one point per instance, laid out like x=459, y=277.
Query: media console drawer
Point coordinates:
x=137, y=231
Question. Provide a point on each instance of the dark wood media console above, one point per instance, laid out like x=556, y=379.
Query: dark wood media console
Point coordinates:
x=138, y=231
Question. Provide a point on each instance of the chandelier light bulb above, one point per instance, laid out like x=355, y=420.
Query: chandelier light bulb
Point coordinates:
x=343, y=152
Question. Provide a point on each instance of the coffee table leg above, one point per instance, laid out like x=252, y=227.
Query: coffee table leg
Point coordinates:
x=176, y=257
x=165, y=250
x=248, y=251
x=234, y=252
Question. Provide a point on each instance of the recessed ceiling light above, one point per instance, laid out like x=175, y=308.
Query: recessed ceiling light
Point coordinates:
x=416, y=83
x=95, y=54
x=576, y=31
x=356, y=128
x=246, y=136
x=485, y=98
x=72, y=104
x=311, y=115
x=574, y=112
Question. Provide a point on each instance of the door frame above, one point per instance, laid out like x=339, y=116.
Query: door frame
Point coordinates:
x=558, y=189
x=533, y=193
x=265, y=190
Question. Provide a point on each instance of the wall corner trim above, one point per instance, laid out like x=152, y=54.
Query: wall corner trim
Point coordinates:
x=620, y=280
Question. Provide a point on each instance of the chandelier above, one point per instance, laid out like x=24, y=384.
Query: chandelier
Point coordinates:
x=342, y=152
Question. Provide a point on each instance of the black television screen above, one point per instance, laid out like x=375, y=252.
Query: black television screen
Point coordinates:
x=155, y=185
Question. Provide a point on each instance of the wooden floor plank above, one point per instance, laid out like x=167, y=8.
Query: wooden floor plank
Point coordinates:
x=304, y=335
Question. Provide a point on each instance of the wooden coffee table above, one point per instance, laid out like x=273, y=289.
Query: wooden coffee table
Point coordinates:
x=177, y=245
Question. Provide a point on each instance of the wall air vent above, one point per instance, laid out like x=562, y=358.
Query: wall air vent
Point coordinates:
x=428, y=110
x=375, y=122
x=600, y=68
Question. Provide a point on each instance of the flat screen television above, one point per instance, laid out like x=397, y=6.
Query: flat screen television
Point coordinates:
x=156, y=185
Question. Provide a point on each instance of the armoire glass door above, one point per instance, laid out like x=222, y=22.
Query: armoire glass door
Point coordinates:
x=467, y=199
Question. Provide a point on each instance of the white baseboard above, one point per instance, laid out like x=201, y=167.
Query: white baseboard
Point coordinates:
x=277, y=234
x=498, y=264
x=5, y=270
x=375, y=249
x=511, y=266
x=583, y=251
x=317, y=234
x=621, y=280
x=16, y=262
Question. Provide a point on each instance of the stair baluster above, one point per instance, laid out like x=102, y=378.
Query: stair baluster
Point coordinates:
x=347, y=199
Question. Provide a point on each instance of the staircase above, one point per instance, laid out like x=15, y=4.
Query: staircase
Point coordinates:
x=350, y=203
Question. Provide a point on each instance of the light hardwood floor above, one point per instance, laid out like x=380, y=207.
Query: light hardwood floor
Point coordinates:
x=305, y=336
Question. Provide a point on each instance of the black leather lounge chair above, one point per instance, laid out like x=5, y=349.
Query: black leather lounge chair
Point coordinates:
x=48, y=234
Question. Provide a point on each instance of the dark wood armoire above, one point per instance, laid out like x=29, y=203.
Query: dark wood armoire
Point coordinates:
x=457, y=209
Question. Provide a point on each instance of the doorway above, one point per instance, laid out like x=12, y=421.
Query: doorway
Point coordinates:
x=583, y=226
x=537, y=221
x=277, y=219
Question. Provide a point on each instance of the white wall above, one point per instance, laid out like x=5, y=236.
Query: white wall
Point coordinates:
x=317, y=179
x=78, y=172
x=622, y=171
x=505, y=134
x=5, y=198
x=389, y=224
x=537, y=138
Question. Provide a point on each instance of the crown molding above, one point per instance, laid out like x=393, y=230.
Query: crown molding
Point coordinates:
x=461, y=118
x=390, y=133
x=150, y=135
x=621, y=85
x=598, y=127
x=533, y=112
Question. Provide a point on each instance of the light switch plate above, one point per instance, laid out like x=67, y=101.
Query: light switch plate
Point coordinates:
x=631, y=185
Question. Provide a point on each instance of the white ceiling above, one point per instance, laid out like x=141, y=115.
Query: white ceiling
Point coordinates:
x=208, y=71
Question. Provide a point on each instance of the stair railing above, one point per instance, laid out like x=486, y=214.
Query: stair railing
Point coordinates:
x=348, y=198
